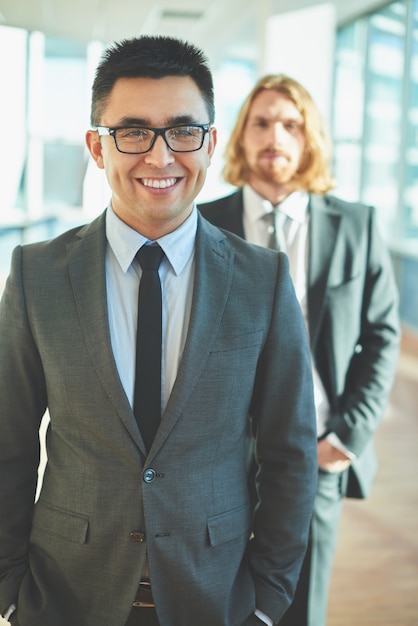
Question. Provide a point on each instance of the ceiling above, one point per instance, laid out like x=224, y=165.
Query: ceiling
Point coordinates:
x=219, y=27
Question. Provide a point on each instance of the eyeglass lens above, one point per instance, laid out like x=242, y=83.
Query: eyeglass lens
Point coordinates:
x=179, y=138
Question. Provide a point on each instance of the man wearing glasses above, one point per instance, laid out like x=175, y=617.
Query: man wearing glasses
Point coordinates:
x=145, y=516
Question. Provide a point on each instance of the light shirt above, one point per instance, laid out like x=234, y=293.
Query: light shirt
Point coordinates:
x=257, y=231
x=9, y=612
x=123, y=274
x=263, y=617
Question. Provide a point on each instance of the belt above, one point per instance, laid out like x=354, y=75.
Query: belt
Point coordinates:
x=144, y=597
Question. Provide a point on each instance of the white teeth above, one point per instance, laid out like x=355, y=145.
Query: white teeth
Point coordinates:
x=159, y=183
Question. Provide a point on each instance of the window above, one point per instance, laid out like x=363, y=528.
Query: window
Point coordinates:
x=375, y=125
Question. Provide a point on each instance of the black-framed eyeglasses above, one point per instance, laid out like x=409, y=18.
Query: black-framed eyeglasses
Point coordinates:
x=138, y=139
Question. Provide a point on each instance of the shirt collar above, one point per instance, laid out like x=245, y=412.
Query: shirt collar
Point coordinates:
x=256, y=207
x=125, y=242
x=295, y=206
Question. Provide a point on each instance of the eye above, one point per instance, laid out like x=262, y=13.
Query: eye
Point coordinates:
x=260, y=124
x=133, y=133
x=183, y=131
x=291, y=126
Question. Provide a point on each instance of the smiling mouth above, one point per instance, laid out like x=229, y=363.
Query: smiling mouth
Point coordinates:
x=159, y=183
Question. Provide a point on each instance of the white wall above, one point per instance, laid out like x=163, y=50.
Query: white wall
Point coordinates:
x=301, y=44
x=298, y=43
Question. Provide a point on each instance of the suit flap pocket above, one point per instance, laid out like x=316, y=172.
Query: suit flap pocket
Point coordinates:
x=60, y=523
x=228, y=526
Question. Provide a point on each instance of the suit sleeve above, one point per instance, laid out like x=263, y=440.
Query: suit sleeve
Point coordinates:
x=23, y=403
x=366, y=375
x=284, y=426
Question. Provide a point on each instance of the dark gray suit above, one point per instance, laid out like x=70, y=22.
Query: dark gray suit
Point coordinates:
x=353, y=324
x=76, y=557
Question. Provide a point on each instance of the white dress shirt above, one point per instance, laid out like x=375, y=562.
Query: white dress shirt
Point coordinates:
x=123, y=274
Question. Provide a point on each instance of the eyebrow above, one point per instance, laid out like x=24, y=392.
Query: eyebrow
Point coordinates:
x=171, y=121
x=264, y=118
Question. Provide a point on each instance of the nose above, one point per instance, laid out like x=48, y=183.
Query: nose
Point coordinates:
x=160, y=154
x=279, y=133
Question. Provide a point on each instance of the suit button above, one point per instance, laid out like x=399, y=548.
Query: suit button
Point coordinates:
x=149, y=475
x=137, y=536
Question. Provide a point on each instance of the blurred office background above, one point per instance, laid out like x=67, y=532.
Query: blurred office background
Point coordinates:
x=359, y=60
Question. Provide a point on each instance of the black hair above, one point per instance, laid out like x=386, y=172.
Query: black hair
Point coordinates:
x=150, y=57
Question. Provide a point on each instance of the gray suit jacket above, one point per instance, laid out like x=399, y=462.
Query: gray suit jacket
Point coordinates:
x=353, y=318
x=75, y=558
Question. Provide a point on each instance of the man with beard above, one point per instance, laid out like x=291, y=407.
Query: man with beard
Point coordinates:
x=278, y=156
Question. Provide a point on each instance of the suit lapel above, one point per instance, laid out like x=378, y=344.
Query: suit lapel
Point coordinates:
x=226, y=212
x=89, y=251
x=324, y=226
x=213, y=276
x=235, y=214
x=214, y=263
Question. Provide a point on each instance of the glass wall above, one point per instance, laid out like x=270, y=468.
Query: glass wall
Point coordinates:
x=49, y=182
x=410, y=182
x=13, y=43
x=375, y=131
x=375, y=125
x=43, y=157
x=61, y=121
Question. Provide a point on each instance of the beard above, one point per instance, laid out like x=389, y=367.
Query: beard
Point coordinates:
x=277, y=171
x=272, y=175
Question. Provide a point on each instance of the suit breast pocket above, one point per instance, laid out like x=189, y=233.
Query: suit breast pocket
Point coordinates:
x=225, y=384
x=341, y=276
x=238, y=341
x=233, y=361
x=344, y=298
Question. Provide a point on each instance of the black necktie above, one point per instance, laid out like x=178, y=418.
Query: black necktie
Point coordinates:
x=147, y=392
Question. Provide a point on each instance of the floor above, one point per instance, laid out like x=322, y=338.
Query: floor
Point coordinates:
x=375, y=580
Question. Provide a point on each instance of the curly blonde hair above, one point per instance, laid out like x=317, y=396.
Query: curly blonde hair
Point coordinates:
x=314, y=174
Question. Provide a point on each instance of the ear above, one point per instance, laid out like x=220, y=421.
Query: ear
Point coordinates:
x=95, y=147
x=212, y=143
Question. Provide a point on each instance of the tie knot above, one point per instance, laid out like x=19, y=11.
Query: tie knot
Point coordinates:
x=149, y=257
